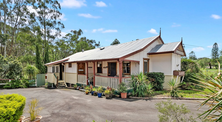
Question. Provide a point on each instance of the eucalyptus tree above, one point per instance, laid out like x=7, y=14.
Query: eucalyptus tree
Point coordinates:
x=48, y=17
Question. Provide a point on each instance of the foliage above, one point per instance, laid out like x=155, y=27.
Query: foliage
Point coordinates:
x=107, y=92
x=38, y=62
x=87, y=88
x=140, y=85
x=173, y=88
x=171, y=112
x=122, y=88
x=214, y=85
x=116, y=41
x=11, y=107
x=31, y=71
x=87, y=91
x=156, y=79
x=33, y=111
x=100, y=89
x=17, y=84
x=95, y=89
x=215, y=52
x=191, y=70
x=203, y=62
x=192, y=56
x=10, y=68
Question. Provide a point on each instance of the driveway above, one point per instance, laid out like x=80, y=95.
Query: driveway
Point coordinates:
x=65, y=105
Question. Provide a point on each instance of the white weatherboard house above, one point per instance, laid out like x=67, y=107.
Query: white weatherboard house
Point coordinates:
x=111, y=65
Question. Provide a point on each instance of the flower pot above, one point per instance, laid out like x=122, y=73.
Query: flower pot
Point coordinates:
x=21, y=119
x=95, y=93
x=92, y=92
x=108, y=96
x=99, y=95
x=124, y=95
x=87, y=93
x=28, y=119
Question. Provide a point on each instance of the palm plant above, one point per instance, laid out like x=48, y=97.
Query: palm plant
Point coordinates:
x=140, y=85
x=214, y=101
x=31, y=71
x=173, y=88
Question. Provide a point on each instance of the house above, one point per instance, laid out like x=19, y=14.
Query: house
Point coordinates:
x=111, y=65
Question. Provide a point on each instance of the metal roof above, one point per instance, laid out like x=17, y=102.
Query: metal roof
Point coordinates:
x=168, y=47
x=109, y=52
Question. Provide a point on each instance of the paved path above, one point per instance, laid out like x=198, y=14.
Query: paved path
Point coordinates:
x=65, y=105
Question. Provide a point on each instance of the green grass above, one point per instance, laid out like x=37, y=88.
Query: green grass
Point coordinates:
x=184, y=93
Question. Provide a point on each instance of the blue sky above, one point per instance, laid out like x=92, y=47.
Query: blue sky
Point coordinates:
x=199, y=22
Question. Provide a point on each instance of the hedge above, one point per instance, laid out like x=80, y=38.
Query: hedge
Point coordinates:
x=157, y=80
x=11, y=107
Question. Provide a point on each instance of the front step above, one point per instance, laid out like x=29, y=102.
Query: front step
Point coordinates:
x=61, y=83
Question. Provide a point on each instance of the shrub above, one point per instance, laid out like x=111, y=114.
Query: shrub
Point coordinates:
x=122, y=88
x=31, y=71
x=11, y=107
x=173, y=88
x=171, y=112
x=156, y=79
x=17, y=84
x=33, y=111
x=141, y=86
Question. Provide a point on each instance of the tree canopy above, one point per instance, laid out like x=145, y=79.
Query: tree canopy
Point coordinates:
x=116, y=41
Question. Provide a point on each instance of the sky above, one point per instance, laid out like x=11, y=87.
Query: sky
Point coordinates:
x=199, y=22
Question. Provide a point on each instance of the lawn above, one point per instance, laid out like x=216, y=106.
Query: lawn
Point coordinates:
x=184, y=93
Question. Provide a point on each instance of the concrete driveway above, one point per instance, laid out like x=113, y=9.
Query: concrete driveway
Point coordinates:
x=65, y=105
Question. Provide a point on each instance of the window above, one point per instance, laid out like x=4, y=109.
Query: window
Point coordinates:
x=57, y=69
x=70, y=65
x=81, y=68
x=145, y=65
x=126, y=68
x=99, y=67
x=53, y=69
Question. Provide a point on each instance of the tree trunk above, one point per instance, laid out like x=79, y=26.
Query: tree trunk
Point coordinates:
x=4, y=3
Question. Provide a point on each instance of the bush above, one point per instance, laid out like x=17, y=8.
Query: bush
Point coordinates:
x=157, y=80
x=17, y=84
x=122, y=88
x=141, y=86
x=171, y=112
x=11, y=107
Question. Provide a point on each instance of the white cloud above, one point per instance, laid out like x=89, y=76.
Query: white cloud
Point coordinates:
x=104, y=31
x=96, y=30
x=100, y=4
x=62, y=17
x=153, y=31
x=198, y=49
x=53, y=31
x=175, y=25
x=215, y=16
x=88, y=16
x=110, y=31
x=73, y=3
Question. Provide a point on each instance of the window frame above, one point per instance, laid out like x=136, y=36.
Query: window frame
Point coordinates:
x=70, y=65
x=127, y=66
x=148, y=65
x=99, y=67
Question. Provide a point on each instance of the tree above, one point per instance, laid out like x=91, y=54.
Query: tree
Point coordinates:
x=116, y=41
x=192, y=55
x=38, y=62
x=215, y=53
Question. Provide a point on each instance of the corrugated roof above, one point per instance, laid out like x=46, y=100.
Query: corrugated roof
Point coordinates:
x=165, y=47
x=110, y=52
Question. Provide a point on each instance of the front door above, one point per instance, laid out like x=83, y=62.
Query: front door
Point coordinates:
x=81, y=68
x=61, y=71
x=112, y=69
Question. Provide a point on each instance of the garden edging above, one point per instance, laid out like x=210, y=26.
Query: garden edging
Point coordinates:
x=160, y=98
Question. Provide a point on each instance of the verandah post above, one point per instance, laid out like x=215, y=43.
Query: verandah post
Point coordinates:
x=120, y=70
x=87, y=83
x=94, y=77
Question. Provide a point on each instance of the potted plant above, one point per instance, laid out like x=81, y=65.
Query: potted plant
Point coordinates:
x=108, y=93
x=87, y=92
x=100, y=90
x=33, y=112
x=94, y=90
x=123, y=90
x=21, y=119
x=75, y=86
